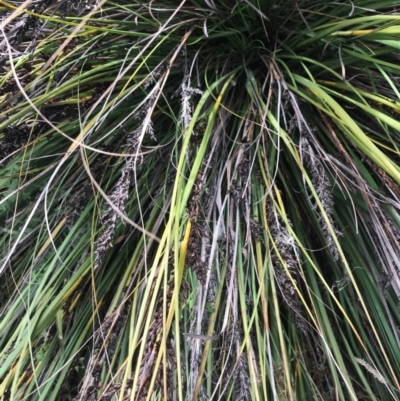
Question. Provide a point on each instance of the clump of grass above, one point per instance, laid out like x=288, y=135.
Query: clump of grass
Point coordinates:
x=183, y=186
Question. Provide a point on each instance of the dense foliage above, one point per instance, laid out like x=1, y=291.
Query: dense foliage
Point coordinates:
x=199, y=201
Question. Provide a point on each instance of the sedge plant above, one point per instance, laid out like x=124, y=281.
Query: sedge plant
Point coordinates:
x=199, y=200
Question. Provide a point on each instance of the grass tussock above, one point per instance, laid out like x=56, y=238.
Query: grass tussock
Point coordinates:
x=199, y=200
